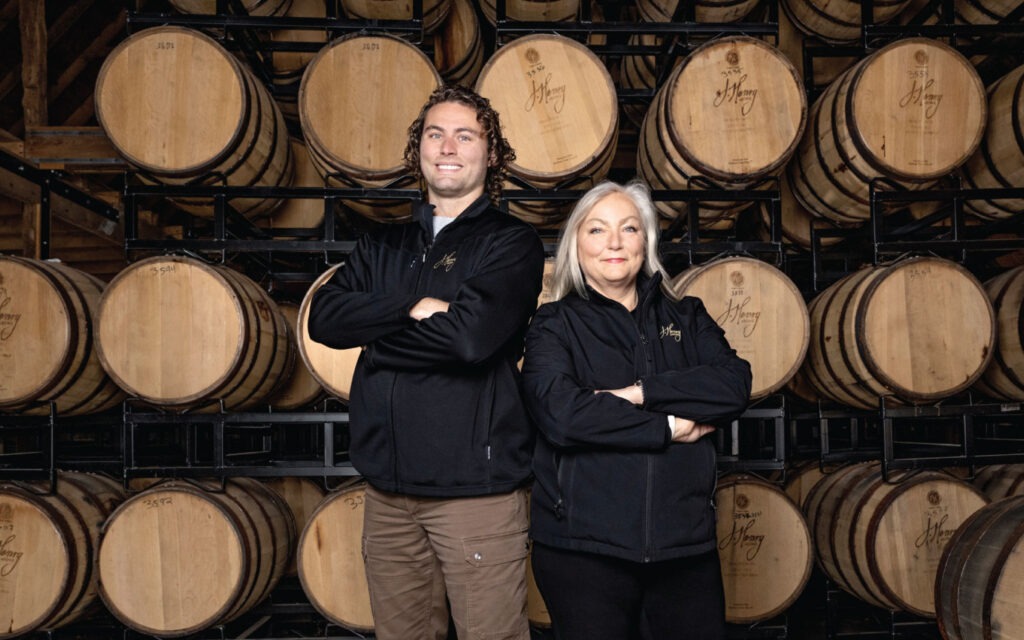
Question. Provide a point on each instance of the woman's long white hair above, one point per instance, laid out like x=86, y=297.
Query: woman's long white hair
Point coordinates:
x=568, y=274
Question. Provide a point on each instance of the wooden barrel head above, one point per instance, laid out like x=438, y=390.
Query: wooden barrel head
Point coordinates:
x=764, y=548
x=919, y=109
x=172, y=561
x=177, y=332
x=357, y=100
x=330, y=560
x=903, y=531
x=37, y=322
x=926, y=328
x=762, y=313
x=332, y=368
x=736, y=108
x=37, y=563
x=190, y=90
x=557, y=102
x=918, y=330
x=155, y=309
x=47, y=324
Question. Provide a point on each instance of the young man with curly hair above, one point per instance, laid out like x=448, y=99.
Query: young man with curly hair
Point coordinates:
x=438, y=427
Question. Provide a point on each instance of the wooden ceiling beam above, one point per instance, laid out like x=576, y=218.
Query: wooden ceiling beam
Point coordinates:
x=32, y=18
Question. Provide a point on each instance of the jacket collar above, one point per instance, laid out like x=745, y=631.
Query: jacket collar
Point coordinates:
x=646, y=286
x=423, y=212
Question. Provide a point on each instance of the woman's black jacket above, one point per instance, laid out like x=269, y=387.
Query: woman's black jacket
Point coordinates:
x=608, y=479
x=436, y=406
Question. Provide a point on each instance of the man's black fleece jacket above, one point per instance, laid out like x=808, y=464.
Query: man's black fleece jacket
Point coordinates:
x=435, y=407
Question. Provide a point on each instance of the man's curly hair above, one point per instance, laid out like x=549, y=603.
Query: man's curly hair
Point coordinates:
x=500, y=153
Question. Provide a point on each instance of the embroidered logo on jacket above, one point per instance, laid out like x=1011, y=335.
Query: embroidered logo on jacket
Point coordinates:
x=448, y=261
x=669, y=332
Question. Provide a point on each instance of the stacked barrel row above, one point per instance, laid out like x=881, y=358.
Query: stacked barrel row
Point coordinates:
x=732, y=114
x=924, y=542
x=183, y=334
x=173, y=557
x=904, y=543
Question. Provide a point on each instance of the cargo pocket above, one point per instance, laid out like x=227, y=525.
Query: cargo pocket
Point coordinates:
x=495, y=594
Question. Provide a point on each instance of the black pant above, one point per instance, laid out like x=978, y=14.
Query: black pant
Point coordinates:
x=593, y=597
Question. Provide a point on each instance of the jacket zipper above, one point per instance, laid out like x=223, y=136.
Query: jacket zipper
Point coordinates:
x=391, y=411
x=649, y=493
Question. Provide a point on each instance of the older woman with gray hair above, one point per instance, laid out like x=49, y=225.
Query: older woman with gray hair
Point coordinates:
x=624, y=380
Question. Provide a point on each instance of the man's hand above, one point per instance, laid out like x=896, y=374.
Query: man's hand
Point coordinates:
x=427, y=307
x=687, y=431
x=633, y=393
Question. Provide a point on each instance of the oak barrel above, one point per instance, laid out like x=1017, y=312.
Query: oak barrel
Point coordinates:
x=206, y=119
x=704, y=10
x=731, y=113
x=985, y=11
x=459, y=45
x=797, y=224
x=1003, y=379
x=761, y=311
x=302, y=496
x=919, y=330
x=300, y=389
x=980, y=581
x=801, y=479
x=288, y=65
x=357, y=99
x=998, y=162
x=764, y=548
x=47, y=340
x=330, y=560
x=531, y=10
x=838, y=21
x=882, y=540
x=252, y=7
x=332, y=368
x=299, y=213
x=48, y=556
x=434, y=11
x=559, y=111
x=911, y=112
x=181, y=333
x=998, y=481
x=182, y=556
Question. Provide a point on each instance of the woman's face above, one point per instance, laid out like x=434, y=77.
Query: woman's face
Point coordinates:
x=610, y=244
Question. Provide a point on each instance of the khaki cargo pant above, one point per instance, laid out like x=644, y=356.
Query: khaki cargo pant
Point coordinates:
x=418, y=550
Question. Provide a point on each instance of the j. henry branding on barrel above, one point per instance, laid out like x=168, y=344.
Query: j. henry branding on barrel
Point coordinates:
x=543, y=91
x=737, y=89
x=8, y=320
x=739, y=312
x=743, y=538
x=9, y=557
x=937, y=527
x=922, y=91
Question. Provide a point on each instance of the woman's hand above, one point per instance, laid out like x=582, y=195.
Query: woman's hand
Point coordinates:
x=687, y=431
